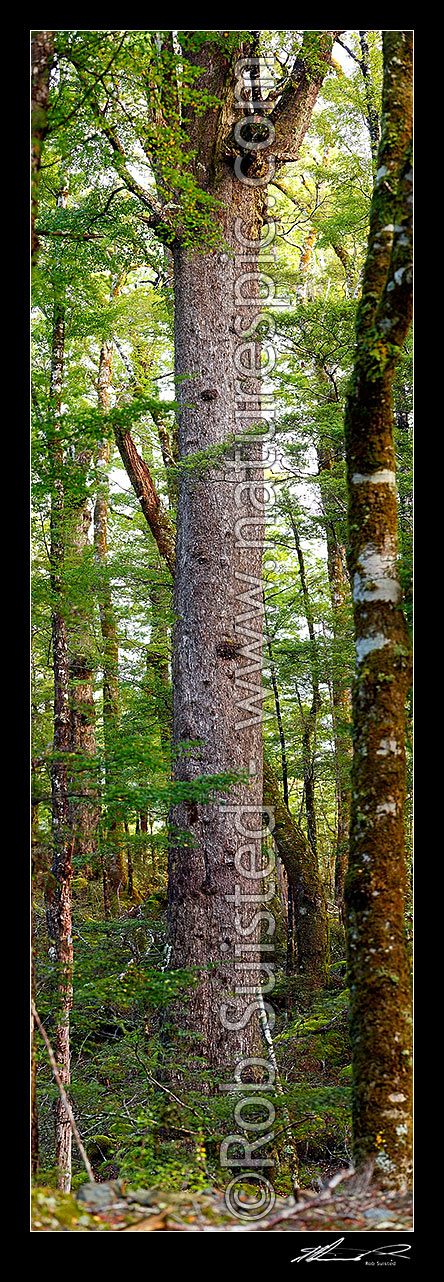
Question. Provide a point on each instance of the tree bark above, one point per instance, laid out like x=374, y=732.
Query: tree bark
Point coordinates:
x=155, y=514
x=114, y=867
x=207, y=643
x=58, y=889
x=34, y=866
x=380, y=990
x=308, y=719
x=158, y=678
x=301, y=866
x=341, y=700
x=372, y=110
x=210, y=562
x=42, y=52
x=341, y=692
x=84, y=810
x=212, y=555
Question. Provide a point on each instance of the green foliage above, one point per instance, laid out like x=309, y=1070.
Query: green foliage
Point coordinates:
x=104, y=261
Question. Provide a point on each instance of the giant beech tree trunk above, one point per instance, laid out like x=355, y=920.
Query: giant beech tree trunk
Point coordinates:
x=380, y=992
x=203, y=929
x=217, y=402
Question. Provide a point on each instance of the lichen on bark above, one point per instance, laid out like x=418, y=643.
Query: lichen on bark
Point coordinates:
x=379, y=978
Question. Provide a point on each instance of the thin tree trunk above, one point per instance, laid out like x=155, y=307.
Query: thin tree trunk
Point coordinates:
x=42, y=53
x=114, y=867
x=301, y=866
x=341, y=699
x=372, y=110
x=375, y=890
x=158, y=678
x=58, y=890
x=290, y=963
x=84, y=809
x=308, y=719
x=34, y=1107
x=277, y=706
x=341, y=692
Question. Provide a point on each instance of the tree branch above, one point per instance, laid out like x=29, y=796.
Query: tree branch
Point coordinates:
x=292, y=113
x=63, y=1094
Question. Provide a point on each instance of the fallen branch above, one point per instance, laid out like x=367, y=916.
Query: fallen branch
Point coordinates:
x=288, y=1213
x=63, y=1095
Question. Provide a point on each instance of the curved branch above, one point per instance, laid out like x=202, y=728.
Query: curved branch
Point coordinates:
x=153, y=510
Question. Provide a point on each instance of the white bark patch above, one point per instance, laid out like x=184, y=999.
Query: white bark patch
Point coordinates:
x=386, y=746
x=387, y=324
x=381, y=173
x=363, y=645
x=397, y=1098
x=376, y=578
x=383, y=477
x=386, y=807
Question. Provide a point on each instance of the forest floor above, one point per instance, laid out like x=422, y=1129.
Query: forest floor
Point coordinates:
x=109, y=1208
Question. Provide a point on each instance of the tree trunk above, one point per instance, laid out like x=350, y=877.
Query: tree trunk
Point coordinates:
x=215, y=559
x=34, y=1109
x=212, y=562
x=158, y=677
x=84, y=812
x=34, y=865
x=42, y=52
x=114, y=868
x=380, y=990
x=341, y=692
x=309, y=719
x=58, y=890
x=339, y=593
x=309, y=902
x=372, y=118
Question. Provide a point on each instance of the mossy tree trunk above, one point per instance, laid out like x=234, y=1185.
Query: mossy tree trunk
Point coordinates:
x=157, y=654
x=301, y=866
x=380, y=991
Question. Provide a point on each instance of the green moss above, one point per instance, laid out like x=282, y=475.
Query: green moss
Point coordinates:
x=54, y=1212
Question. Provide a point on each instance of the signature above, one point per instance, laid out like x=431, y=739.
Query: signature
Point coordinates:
x=331, y=1252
